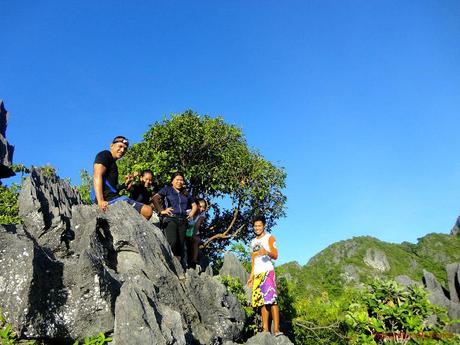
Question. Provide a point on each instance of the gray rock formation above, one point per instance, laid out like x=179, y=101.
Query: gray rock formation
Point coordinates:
x=6, y=150
x=438, y=296
x=404, y=280
x=453, y=279
x=456, y=228
x=45, y=205
x=376, y=259
x=233, y=267
x=350, y=274
x=265, y=338
x=119, y=277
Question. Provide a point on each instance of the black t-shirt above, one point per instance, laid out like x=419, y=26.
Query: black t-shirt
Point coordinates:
x=141, y=194
x=111, y=174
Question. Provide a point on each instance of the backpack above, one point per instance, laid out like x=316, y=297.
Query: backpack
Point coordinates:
x=92, y=195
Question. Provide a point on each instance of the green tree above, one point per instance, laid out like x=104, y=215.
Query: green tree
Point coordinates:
x=9, y=208
x=85, y=187
x=218, y=165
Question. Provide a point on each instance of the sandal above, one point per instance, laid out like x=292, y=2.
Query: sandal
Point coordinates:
x=277, y=334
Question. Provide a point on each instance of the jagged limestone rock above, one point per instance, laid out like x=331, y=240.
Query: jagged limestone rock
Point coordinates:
x=45, y=204
x=233, y=267
x=31, y=288
x=347, y=249
x=376, y=259
x=453, y=279
x=405, y=281
x=138, y=322
x=438, y=296
x=456, y=228
x=350, y=274
x=264, y=338
x=6, y=150
x=116, y=261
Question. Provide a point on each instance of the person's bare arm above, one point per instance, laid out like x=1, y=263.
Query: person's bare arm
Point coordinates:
x=193, y=211
x=98, y=173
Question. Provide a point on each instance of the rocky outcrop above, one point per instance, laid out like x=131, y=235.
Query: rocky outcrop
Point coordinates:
x=233, y=267
x=119, y=276
x=350, y=274
x=6, y=150
x=45, y=205
x=265, y=338
x=376, y=259
x=453, y=279
x=456, y=228
x=406, y=281
x=440, y=297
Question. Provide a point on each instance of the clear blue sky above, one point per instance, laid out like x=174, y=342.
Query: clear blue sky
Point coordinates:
x=358, y=100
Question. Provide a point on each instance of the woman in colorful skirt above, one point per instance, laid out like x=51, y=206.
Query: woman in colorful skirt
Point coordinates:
x=262, y=278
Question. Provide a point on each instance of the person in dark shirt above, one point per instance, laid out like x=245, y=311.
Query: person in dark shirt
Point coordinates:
x=193, y=242
x=105, y=178
x=140, y=192
x=176, y=201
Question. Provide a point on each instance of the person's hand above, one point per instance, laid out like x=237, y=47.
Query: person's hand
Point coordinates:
x=103, y=205
x=249, y=282
x=129, y=178
x=190, y=216
x=262, y=251
x=167, y=212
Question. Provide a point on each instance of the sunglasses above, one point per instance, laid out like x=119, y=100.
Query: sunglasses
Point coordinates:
x=120, y=140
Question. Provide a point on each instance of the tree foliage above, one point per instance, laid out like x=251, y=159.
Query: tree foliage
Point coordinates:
x=85, y=187
x=388, y=313
x=9, y=208
x=218, y=165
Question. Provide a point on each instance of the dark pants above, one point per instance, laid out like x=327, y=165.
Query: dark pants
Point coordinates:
x=193, y=248
x=175, y=234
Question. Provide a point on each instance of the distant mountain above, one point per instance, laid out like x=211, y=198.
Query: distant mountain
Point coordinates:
x=361, y=259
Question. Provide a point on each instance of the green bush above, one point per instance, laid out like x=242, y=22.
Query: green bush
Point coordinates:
x=99, y=339
x=319, y=320
x=9, y=208
x=388, y=313
x=235, y=286
x=8, y=336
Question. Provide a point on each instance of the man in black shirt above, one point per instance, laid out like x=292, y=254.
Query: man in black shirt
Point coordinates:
x=105, y=178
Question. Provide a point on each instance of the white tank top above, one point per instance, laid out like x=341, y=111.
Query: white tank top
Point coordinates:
x=262, y=263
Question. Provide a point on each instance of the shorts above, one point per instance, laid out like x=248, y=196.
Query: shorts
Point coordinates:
x=264, y=289
x=137, y=205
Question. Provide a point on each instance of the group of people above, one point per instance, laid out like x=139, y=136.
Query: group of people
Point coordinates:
x=182, y=215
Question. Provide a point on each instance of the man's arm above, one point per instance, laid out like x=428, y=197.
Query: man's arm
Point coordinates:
x=98, y=173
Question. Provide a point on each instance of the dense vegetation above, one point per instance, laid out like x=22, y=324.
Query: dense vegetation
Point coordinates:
x=331, y=307
x=219, y=166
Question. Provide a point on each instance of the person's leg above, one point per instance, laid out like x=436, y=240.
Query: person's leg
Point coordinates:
x=188, y=245
x=181, y=228
x=171, y=234
x=275, y=311
x=195, y=249
x=265, y=318
x=146, y=211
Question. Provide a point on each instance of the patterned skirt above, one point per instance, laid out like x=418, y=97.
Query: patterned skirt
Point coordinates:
x=264, y=289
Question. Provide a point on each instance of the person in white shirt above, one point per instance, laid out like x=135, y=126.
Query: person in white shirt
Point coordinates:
x=262, y=278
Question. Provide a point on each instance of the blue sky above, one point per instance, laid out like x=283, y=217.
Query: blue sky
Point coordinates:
x=358, y=100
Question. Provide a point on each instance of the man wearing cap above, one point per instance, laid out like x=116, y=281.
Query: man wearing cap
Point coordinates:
x=105, y=178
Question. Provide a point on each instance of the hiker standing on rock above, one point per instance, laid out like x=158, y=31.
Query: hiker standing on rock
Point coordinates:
x=262, y=278
x=176, y=201
x=105, y=178
x=193, y=239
